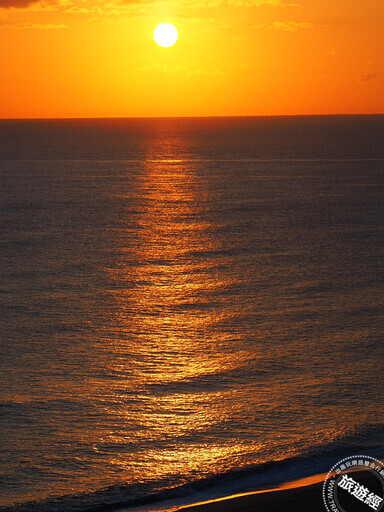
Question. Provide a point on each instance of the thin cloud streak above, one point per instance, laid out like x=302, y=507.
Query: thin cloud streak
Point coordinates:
x=39, y=26
x=287, y=26
x=81, y=7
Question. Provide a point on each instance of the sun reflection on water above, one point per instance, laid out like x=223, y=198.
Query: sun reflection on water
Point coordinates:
x=188, y=387
x=167, y=317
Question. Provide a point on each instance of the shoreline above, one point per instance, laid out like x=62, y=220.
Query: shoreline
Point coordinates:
x=278, y=497
x=296, y=496
x=303, y=495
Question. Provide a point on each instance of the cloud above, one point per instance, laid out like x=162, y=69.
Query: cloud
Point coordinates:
x=287, y=26
x=367, y=77
x=35, y=5
x=200, y=4
x=40, y=26
x=78, y=10
x=139, y=4
x=259, y=3
x=208, y=72
x=7, y=4
x=196, y=19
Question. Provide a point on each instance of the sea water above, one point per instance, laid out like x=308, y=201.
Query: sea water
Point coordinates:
x=187, y=305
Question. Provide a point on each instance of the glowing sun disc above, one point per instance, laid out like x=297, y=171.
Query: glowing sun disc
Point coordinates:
x=165, y=35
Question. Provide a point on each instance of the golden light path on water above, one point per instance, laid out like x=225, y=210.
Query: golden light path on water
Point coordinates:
x=172, y=319
x=173, y=307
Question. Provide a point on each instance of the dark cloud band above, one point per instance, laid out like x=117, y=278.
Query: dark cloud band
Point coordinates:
x=7, y=4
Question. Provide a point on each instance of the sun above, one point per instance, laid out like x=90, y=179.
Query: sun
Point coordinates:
x=165, y=35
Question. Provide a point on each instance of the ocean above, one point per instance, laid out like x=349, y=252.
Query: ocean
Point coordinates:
x=189, y=307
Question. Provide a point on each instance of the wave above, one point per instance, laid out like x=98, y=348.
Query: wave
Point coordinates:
x=157, y=495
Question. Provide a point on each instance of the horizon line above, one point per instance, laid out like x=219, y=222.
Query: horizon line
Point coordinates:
x=185, y=117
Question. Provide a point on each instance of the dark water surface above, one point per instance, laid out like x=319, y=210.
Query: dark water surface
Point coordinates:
x=185, y=298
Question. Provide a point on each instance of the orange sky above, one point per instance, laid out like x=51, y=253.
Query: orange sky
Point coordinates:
x=95, y=58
